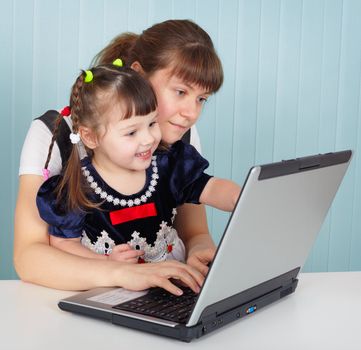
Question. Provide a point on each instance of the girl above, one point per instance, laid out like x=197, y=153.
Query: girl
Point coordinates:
x=179, y=60
x=123, y=205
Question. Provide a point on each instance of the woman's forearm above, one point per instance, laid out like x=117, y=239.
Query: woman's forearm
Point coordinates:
x=74, y=246
x=48, y=266
x=54, y=268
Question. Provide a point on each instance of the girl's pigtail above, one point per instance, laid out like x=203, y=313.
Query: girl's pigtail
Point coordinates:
x=65, y=112
x=73, y=184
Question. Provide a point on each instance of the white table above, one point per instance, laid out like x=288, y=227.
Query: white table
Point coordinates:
x=323, y=313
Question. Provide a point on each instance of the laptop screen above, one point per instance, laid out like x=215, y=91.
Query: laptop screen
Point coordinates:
x=274, y=225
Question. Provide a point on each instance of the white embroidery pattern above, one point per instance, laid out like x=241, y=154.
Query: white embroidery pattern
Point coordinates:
x=122, y=202
x=103, y=245
x=167, y=237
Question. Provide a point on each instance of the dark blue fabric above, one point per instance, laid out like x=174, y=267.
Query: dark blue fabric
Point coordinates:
x=185, y=167
x=181, y=180
x=62, y=223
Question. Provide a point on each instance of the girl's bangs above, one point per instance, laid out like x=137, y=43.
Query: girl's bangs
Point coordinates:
x=138, y=104
x=197, y=65
x=136, y=96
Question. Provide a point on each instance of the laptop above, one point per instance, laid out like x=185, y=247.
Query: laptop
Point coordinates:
x=265, y=243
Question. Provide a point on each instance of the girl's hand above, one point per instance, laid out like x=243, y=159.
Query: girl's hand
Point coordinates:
x=200, y=259
x=124, y=253
x=143, y=276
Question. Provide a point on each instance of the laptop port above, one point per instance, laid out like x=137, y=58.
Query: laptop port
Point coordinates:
x=251, y=309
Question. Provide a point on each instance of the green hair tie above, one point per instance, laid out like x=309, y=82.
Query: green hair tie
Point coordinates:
x=88, y=76
x=118, y=62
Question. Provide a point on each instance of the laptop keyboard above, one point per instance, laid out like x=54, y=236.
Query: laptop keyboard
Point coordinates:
x=162, y=304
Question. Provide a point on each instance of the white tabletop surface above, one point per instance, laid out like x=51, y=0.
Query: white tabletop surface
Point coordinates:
x=323, y=313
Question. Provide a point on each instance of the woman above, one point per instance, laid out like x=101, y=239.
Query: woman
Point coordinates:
x=180, y=62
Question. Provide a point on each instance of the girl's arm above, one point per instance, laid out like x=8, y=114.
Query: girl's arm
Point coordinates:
x=221, y=194
x=191, y=221
x=37, y=262
x=191, y=224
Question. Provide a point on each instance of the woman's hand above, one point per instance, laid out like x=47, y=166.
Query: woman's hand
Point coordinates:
x=125, y=253
x=143, y=276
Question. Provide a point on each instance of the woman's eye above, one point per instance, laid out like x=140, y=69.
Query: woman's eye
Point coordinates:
x=180, y=92
x=152, y=123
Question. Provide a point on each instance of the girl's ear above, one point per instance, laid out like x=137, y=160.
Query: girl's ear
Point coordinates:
x=137, y=67
x=88, y=137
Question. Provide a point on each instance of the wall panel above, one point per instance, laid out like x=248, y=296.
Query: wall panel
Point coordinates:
x=292, y=87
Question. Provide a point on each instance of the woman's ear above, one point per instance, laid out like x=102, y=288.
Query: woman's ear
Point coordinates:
x=137, y=67
x=88, y=137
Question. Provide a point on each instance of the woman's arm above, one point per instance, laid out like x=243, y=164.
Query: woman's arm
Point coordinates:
x=120, y=252
x=34, y=259
x=191, y=224
x=37, y=262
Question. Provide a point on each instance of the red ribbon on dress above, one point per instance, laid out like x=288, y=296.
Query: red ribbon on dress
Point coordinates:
x=128, y=214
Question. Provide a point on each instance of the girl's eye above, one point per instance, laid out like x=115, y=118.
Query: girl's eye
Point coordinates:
x=152, y=123
x=132, y=133
x=180, y=92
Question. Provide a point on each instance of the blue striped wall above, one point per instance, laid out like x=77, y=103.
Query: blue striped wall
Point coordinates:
x=292, y=88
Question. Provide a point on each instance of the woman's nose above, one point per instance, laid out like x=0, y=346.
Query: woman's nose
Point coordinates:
x=190, y=110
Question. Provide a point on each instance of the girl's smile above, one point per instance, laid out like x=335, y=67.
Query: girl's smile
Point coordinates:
x=145, y=155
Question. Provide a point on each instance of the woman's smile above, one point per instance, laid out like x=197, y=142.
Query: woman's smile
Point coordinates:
x=179, y=126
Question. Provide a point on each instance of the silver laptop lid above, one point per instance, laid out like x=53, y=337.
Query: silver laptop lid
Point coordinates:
x=272, y=229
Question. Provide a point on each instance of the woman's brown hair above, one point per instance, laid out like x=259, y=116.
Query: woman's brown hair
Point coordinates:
x=88, y=102
x=179, y=44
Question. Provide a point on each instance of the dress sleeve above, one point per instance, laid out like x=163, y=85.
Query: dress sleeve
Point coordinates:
x=187, y=178
x=62, y=223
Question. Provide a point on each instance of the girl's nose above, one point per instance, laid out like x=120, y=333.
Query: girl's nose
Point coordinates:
x=148, y=138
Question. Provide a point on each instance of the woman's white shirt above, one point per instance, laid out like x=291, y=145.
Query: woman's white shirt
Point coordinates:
x=35, y=151
x=195, y=139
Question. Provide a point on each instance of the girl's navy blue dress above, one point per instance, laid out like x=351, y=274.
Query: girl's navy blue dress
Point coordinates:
x=145, y=219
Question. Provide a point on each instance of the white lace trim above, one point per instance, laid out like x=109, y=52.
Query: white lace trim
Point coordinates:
x=103, y=245
x=122, y=202
x=167, y=237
